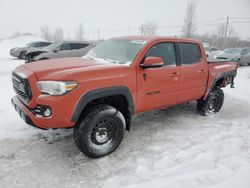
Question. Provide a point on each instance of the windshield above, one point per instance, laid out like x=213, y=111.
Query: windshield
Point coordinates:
x=232, y=51
x=52, y=46
x=30, y=44
x=121, y=51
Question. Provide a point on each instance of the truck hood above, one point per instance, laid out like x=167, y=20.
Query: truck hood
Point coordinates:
x=46, y=67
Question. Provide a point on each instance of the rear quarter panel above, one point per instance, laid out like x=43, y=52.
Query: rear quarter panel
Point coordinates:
x=218, y=69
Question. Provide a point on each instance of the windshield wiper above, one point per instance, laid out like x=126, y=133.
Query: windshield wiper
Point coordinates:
x=105, y=59
x=89, y=57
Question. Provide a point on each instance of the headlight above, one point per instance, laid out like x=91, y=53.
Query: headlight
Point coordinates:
x=55, y=87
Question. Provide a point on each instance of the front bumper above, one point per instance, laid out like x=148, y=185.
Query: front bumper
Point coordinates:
x=13, y=53
x=30, y=117
x=23, y=112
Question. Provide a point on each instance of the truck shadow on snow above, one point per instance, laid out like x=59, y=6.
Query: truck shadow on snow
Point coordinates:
x=146, y=125
x=139, y=122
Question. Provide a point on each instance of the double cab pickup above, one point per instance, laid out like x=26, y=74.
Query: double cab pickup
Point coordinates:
x=100, y=92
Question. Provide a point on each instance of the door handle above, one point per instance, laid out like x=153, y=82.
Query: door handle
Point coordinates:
x=201, y=71
x=174, y=74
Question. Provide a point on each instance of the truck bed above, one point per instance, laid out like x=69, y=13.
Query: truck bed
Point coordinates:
x=212, y=60
x=221, y=69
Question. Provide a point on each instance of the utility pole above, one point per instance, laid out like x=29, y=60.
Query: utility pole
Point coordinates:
x=225, y=33
x=225, y=36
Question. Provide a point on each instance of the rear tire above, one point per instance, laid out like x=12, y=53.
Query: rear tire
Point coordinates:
x=100, y=132
x=212, y=104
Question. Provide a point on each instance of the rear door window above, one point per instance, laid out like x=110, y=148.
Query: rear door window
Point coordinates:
x=189, y=53
x=42, y=44
x=65, y=46
x=75, y=46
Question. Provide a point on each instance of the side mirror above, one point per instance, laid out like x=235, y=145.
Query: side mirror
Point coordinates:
x=55, y=51
x=152, y=62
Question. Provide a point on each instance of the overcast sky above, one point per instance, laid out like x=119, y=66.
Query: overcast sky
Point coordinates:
x=118, y=17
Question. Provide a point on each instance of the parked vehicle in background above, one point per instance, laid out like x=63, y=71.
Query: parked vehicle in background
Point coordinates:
x=99, y=93
x=245, y=56
x=59, y=50
x=20, y=52
x=205, y=44
x=230, y=54
x=212, y=51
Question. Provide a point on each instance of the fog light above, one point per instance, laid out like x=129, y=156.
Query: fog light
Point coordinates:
x=47, y=112
x=42, y=110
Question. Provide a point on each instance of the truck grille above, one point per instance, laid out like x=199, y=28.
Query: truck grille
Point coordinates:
x=21, y=86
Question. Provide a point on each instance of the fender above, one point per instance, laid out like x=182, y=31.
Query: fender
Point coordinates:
x=99, y=93
x=231, y=74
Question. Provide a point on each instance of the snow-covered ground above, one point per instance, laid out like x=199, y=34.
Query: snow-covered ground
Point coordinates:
x=173, y=147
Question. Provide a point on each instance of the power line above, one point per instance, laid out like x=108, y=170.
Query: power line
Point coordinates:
x=239, y=18
x=169, y=26
x=211, y=21
x=241, y=22
x=208, y=23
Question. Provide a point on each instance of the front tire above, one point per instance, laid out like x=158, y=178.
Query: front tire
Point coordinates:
x=22, y=55
x=212, y=104
x=100, y=132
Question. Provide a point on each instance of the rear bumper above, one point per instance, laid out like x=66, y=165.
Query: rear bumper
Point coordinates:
x=31, y=118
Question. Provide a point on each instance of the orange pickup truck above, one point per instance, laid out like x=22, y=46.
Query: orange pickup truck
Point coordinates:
x=98, y=93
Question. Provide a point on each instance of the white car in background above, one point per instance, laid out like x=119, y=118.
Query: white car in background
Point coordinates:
x=245, y=56
x=20, y=52
x=60, y=50
x=230, y=54
x=212, y=51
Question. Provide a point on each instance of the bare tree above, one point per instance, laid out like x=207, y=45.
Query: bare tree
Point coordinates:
x=189, y=27
x=149, y=28
x=220, y=30
x=80, y=32
x=45, y=33
x=231, y=39
x=218, y=36
x=58, y=34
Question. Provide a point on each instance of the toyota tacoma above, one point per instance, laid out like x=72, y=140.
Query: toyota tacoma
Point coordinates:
x=100, y=92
